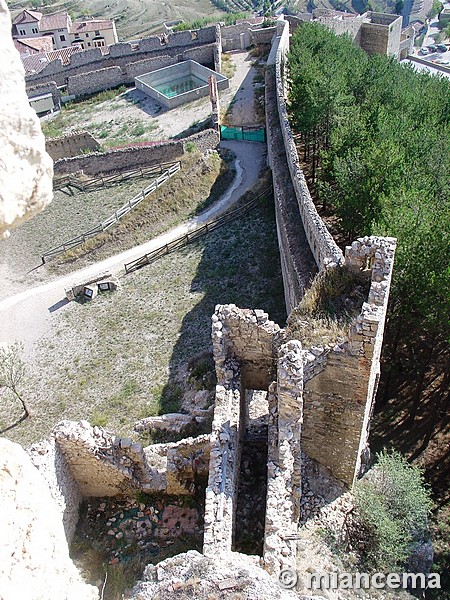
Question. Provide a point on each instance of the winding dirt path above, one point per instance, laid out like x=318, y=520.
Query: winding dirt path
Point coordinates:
x=27, y=316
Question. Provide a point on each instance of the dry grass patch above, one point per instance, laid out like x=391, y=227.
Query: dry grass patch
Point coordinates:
x=124, y=356
x=332, y=302
x=201, y=181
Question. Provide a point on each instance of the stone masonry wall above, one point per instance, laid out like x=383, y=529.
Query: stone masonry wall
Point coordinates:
x=220, y=499
x=249, y=337
x=323, y=247
x=341, y=382
x=121, y=160
x=103, y=464
x=123, y=54
x=297, y=263
x=146, y=65
x=71, y=144
x=95, y=81
x=284, y=460
x=139, y=156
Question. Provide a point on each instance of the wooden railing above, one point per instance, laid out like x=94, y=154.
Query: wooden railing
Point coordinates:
x=183, y=240
x=113, y=219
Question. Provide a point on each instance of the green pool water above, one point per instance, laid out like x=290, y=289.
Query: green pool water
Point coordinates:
x=179, y=86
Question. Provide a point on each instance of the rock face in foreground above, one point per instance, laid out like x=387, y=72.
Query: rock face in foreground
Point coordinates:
x=196, y=577
x=26, y=170
x=34, y=556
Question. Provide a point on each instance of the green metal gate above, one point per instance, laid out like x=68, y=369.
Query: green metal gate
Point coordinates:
x=248, y=134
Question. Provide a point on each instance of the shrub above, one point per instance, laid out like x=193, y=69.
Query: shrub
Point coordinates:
x=391, y=513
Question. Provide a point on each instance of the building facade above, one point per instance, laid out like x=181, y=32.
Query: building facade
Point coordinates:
x=89, y=33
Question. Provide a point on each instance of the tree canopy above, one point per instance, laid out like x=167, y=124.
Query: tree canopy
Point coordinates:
x=379, y=136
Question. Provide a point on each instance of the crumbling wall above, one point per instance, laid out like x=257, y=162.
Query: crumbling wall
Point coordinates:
x=25, y=168
x=220, y=498
x=135, y=157
x=341, y=381
x=249, y=337
x=71, y=144
x=284, y=460
x=121, y=160
x=123, y=54
x=103, y=464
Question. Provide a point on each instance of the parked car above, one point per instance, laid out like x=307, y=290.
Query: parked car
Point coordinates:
x=432, y=48
x=423, y=50
x=441, y=47
x=440, y=61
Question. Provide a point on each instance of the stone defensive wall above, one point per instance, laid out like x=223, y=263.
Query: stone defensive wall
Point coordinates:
x=324, y=249
x=297, y=262
x=160, y=50
x=137, y=156
x=320, y=400
x=71, y=144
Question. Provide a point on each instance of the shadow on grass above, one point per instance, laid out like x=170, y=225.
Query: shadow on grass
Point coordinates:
x=240, y=264
x=15, y=424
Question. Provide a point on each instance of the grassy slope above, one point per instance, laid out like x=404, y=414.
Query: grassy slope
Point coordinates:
x=118, y=359
x=203, y=177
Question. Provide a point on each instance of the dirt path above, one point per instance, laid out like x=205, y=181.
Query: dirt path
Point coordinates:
x=27, y=316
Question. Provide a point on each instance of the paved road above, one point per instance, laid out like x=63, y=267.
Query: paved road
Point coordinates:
x=28, y=315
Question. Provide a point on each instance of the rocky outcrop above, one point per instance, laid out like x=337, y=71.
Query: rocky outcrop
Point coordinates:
x=34, y=556
x=26, y=169
x=233, y=576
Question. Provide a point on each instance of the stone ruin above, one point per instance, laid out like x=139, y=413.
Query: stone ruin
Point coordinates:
x=293, y=401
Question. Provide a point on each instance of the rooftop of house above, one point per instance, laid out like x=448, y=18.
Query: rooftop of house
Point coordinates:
x=34, y=45
x=59, y=20
x=27, y=16
x=91, y=25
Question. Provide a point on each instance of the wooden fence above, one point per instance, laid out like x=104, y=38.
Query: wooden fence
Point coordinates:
x=66, y=183
x=113, y=219
x=151, y=257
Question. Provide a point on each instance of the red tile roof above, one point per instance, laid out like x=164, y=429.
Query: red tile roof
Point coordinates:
x=64, y=54
x=34, y=45
x=27, y=16
x=93, y=25
x=34, y=63
x=54, y=21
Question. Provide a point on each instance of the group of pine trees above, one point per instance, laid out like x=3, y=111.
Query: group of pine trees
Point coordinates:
x=378, y=135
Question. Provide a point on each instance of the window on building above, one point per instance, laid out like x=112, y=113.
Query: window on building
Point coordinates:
x=99, y=43
x=22, y=32
x=62, y=38
x=89, y=43
x=34, y=30
x=97, y=33
x=87, y=35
